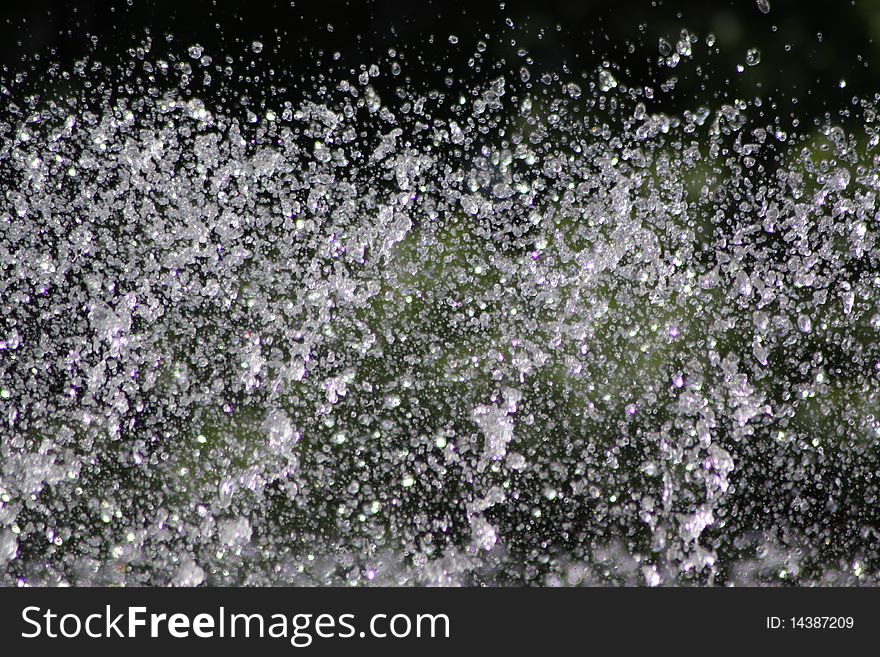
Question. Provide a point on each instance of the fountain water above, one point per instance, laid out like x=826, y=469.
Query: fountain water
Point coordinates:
x=525, y=330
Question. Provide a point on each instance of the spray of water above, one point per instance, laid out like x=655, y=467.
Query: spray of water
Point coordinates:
x=519, y=330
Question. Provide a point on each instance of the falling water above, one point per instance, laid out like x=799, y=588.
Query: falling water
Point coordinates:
x=519, y=330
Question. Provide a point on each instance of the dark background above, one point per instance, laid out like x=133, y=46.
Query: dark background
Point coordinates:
x=806, y=51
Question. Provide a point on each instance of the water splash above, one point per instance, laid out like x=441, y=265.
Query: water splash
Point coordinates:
x=524, y=330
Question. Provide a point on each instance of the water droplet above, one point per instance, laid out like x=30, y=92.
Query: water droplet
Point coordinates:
x=572, y=90
x=606, y=80
x=805, y=324
x=664, y=47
